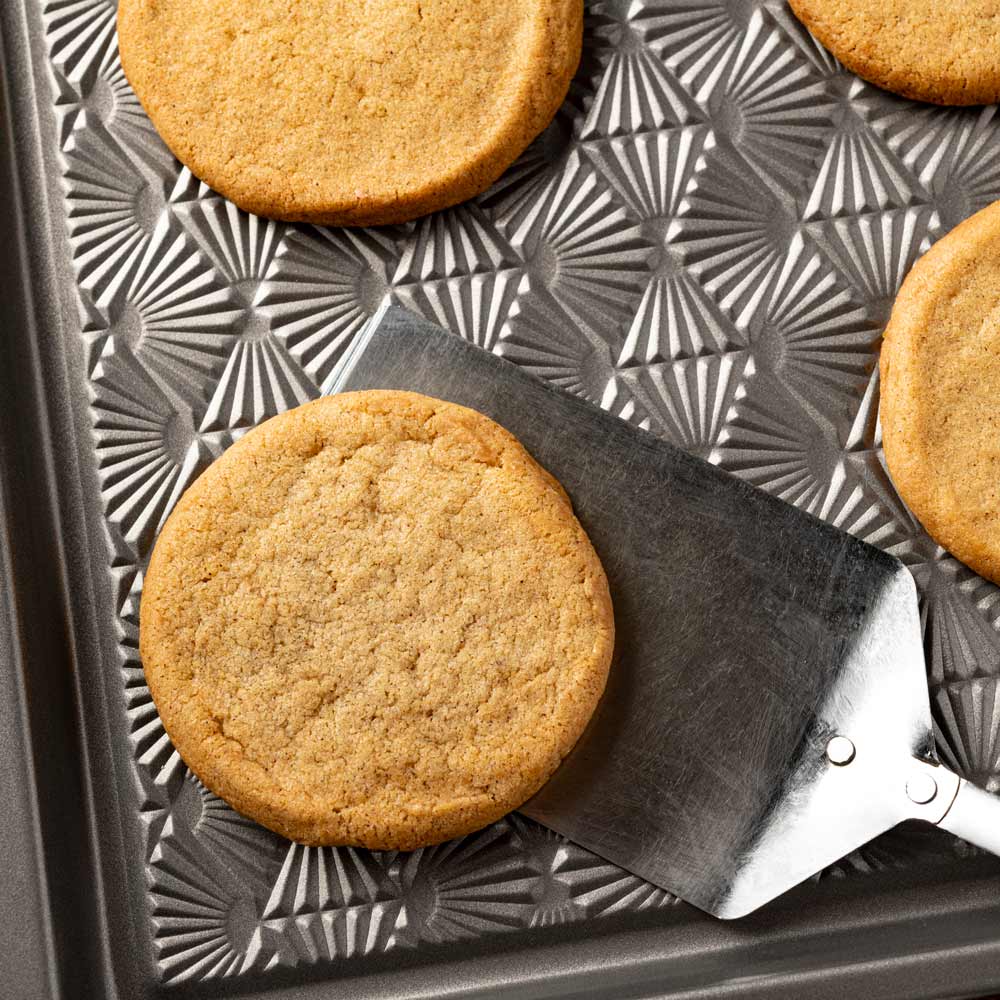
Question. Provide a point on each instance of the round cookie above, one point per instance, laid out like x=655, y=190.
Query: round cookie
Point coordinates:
x=940, y=375
x=375, y=621
x=943, y=51
x=348, y=113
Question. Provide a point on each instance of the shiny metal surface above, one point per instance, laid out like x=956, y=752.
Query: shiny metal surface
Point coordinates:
x=706, y=242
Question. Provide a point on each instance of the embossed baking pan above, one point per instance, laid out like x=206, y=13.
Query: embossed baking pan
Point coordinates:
x=705, y=242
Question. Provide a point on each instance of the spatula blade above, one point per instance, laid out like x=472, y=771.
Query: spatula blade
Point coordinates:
x=749, y=634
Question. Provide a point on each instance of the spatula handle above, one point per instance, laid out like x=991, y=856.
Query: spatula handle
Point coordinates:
x=974, y=816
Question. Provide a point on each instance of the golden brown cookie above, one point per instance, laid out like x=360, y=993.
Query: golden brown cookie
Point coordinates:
x=375, y=620
x=348, y=112
x=940, y=373
x=943, y=51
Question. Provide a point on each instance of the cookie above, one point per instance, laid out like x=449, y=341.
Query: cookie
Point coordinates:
x=375, y=621
x=942, y=51
x=940, y=375
x=348, y=113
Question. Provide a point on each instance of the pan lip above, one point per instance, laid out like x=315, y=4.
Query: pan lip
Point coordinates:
x=36, y=561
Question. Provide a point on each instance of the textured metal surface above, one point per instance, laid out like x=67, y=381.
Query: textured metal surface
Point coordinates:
x=705, y=242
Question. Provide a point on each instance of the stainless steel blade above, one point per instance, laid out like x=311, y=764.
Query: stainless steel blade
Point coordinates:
x=750, y=635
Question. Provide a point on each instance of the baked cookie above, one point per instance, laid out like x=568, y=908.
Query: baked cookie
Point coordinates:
x=375, y=621
x=940, y=373
x=348, y=113
x=943, y=51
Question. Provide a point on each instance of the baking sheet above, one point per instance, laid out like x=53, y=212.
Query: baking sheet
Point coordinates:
x=706, y=242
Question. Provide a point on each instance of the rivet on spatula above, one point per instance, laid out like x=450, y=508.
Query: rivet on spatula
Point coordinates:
x=840, y=751
x=921, y=788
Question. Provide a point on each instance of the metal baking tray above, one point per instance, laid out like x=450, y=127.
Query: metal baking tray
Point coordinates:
x=706, y=241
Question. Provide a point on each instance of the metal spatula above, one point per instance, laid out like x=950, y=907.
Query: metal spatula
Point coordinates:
x=767, y=711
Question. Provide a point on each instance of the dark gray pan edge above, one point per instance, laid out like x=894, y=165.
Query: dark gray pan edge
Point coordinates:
x=890, y=935
x=38, y=654
x=25, y=933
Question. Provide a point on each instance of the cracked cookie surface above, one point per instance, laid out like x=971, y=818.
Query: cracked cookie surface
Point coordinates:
x=349, y=113
x=375, y=620
x=942, y=51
